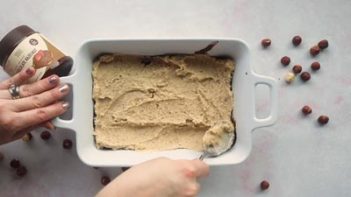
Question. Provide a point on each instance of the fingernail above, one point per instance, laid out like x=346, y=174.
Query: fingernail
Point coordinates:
x=53, y=80
x=65, y=105
x=50, y=125
x=64, y=88
x=30, y=71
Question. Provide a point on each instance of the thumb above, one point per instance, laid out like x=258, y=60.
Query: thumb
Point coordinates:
x=201, y=168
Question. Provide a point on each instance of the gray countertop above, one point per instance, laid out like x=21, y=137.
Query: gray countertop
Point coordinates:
x=296, y=155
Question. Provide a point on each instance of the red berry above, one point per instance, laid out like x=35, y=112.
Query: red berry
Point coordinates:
x=264, y=185
x=105, y=180
x=315, y=66
x=323, y=119
x=45, y=135
x=323, y=44
x=67, y=144
x=21, y=171
x=297, y=69
x=285, y=60
x=266, y=42
x=296, y=40
x=314, y=50
x=306, y=110
x=15, y=163
x=305, y=76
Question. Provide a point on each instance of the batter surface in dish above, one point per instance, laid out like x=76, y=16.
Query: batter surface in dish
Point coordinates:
x=160, y=102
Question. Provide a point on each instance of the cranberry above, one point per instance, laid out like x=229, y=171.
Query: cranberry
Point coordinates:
x=297, y=40
x=323, y=44
x=21, y=171
x=306, y=110
x=146, y=60
x=105, y=180
x=315, y=66
x=264, y=185
x=314, y=50
x=305, y=76
x=67, y=144
x=285, y=60
x=323, y=119
x=15, y=163
x=45, y=135
x=266, y=42
x=297, y=69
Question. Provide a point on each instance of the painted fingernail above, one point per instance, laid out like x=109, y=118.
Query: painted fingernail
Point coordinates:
x=53, y=80
x=30, y=71
x=64, y=88
x=65, y=105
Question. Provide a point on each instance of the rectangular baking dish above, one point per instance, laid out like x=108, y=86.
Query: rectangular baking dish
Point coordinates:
x=244, y=82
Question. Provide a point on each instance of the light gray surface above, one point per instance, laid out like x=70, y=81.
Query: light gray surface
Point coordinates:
x=297, y=156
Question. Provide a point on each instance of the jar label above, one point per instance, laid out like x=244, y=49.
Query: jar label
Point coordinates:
x=22, y=56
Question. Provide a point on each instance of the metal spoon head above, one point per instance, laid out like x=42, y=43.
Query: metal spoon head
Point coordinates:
x=218, y=139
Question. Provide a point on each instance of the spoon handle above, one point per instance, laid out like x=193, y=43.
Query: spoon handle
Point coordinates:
x=203, y=155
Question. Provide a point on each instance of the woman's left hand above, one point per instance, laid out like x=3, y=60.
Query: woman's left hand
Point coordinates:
x=36, y=104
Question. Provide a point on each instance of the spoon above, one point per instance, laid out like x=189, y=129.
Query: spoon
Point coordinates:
x=218, y=139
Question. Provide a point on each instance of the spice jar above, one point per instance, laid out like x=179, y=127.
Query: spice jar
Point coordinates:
x=23, y=47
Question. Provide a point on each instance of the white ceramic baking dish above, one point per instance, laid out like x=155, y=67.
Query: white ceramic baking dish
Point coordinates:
x=244, y=82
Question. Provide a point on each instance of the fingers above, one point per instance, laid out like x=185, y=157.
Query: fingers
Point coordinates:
x=34, y=88
x=192, y=189
x=19, y=78
x=41, y=115
x=201, y=169
x=47, y=125
x=21, y=133
x=40, y=100
x=39, y=86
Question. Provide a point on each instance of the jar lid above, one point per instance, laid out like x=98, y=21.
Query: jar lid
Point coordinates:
x=11, y=40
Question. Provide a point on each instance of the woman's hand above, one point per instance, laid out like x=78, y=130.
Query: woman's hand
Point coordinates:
x=37, y=105
x=158, y=177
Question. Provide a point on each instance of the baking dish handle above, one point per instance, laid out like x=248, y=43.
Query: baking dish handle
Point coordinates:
x=272, y=117
x=59, y=122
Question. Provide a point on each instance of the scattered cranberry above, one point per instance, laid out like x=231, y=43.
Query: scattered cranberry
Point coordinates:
x=306, y=110
x=266, y=42
x=323, y=44
x=67, y=144
x=305, y=76
x=15, y=163
x=285, y=60
x=264, y=185
x=315, y=66
x=297, y=69
x=323, y=119
x=146, y=60
x=45, y=135
x=314, y=50
x=1, y=156
x=105, y=180
x=297, y=40
x=27, y=137
x=21, y=171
